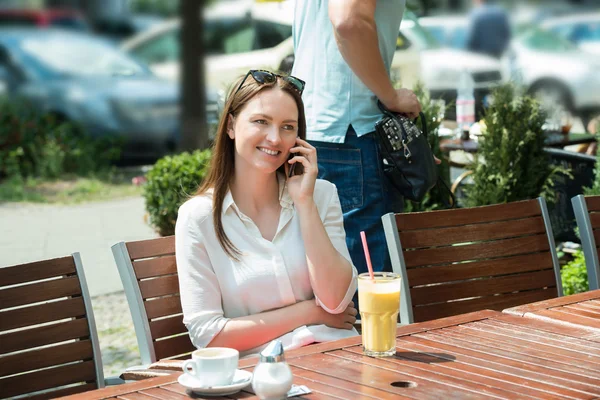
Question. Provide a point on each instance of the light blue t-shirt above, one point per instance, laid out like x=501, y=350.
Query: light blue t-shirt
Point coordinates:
x=334, y=97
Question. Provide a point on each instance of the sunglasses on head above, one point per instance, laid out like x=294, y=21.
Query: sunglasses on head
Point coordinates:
x=267, y=77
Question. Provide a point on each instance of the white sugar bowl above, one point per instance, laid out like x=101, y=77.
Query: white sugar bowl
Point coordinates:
x=272, y=378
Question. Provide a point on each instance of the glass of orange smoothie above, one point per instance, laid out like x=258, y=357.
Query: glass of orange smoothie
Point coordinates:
x=379, y=301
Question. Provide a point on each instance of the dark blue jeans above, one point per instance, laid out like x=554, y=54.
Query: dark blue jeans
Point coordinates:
x=365, y=194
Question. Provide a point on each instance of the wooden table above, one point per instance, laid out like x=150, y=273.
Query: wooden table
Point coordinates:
x=552, y=140
x=579, y=314
x=486, y=354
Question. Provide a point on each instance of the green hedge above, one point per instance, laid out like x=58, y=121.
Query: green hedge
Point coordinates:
x=171, y=181
x=574, y=275
x=42, y=146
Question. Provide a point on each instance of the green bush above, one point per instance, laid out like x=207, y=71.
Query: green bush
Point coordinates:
x=171, y=181
x=574, y=275
x=34, y=145
x=511, y=164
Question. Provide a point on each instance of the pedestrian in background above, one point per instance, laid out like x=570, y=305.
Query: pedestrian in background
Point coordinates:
x=489, y=30
x=344, y=50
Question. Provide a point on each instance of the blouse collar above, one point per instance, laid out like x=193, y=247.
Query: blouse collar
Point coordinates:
x=285, y=200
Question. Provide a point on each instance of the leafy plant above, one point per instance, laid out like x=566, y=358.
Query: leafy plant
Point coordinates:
x=574, y=275
x=511, y=164
x=171, y=181
x=432, y=110
x=34, y=145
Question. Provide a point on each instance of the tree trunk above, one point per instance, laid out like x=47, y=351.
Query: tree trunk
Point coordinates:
x=194, y=131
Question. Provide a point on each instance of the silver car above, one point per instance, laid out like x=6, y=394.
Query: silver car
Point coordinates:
x=90, y=82
x=550, y=67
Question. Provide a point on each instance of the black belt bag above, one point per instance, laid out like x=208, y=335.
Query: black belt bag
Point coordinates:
x=407, y=157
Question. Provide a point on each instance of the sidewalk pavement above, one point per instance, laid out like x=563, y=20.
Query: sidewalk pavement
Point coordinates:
x=32, y=232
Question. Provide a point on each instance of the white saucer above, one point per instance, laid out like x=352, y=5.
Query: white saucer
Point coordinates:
x=241, y=379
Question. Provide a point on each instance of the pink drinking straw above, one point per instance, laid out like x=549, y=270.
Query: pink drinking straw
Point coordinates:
x=367, y=255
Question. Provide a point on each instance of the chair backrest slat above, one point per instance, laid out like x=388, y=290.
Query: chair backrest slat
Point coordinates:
x=173, y=347
x=587, y=214
x=49, y=378
x=593, y=203
x=440, y=310
x=37, y=292
x=36, y=271
x=161, y=286
x=151, y=248
x=168, y=326
x=163, y=306
x=44, y=335
x=42, y=313
x=494, y=286
x=476, y=251
x=462, y=216
x=154, y=267
x=463, y=260
x=463, y=271
x=47, y=357
x=48, y=336
x=483, y=231
x=148, y=271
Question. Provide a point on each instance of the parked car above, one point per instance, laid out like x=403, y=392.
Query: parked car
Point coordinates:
x=87, y=81
x=582, y=29
x=550, y=67
x=243, y=35
x=64, y=18
x=441, y=66
x=126, y=26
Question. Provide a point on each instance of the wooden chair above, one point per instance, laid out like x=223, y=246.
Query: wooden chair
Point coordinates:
x=462, y=260
x=587, y=214
x=48, y=340
x=149, y=274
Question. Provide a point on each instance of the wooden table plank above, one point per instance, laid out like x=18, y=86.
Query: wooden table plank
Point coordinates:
x=339, y=387
x=593, y=295
x=486, y=354
x=421, y=387
x=162, y=393
x=135, y=396
x=483, y=369
x=426, y=371
x=539, y=374
x=529, y=349
x=579, y=314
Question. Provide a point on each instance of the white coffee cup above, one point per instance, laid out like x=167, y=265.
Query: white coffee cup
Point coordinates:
x=213, y=366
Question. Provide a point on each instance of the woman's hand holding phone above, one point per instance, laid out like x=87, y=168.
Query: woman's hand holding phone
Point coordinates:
x=301, y=181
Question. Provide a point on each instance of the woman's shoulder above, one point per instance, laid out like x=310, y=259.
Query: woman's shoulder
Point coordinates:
x=323, y=191
x=197, y=208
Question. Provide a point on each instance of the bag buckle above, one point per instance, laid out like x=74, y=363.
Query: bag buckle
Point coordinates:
x=407, y=153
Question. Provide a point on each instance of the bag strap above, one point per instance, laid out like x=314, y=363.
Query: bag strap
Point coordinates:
x=392, y=114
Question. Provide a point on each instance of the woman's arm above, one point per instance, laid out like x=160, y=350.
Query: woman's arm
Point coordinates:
x=245, y=333
x=331, y=274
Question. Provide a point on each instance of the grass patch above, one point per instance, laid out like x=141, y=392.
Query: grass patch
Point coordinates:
x=68, y=190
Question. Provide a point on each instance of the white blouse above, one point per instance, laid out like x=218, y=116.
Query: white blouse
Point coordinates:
x=269, y=275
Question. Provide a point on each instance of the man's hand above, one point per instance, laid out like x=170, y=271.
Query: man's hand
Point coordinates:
x=344, y=320
x=405, y=102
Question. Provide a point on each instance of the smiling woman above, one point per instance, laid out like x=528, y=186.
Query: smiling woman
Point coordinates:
x=261, y=255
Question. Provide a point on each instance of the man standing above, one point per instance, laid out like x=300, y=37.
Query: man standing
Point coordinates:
x=489, y=31
x=344, y=50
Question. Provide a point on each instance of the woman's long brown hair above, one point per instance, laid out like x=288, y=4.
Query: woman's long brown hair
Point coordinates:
x=222, y=165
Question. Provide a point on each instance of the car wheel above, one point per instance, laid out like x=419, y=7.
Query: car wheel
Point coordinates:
x=286, y=64
x=553, y=93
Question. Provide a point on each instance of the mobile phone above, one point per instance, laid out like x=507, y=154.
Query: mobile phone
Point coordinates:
x=296, y=168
